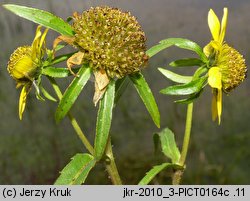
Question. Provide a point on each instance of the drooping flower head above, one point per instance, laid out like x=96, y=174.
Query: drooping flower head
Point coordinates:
x=24, y=66
x=228, y=68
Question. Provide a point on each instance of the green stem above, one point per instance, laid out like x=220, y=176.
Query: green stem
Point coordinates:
x=187, y=134
x=80, y=134
x=178, y=173
x=73, y=121
x=111, y=166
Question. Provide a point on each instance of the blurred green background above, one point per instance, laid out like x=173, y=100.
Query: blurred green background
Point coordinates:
x=33, y=151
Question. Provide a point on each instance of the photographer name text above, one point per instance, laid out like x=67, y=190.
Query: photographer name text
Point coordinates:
x=31, y=192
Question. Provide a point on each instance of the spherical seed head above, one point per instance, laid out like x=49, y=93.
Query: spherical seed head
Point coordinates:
x=111, y=40
x=21, y=66
x=233, y=67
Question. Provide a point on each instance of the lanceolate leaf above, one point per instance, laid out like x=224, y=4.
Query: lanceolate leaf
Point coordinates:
x=186, y=62
x=157, y=48
x=153, y=172
x=186, y=44
x=199, y=72
x=168, y=145
x=185, y=89
x=72, y=92
x=190, y=99
x=61, y=58
x=120, y=86
x=104, y=119
x=42, y=17
x=147, y=97
x=47, y=95
x=175, y=77
x=179, y=42
x=77, y=170
x=57, y=72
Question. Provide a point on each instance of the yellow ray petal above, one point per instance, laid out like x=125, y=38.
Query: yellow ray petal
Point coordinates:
x=208, y=50
x=214, y=105
x=210, y=47
x=42, y=41
x=214, y=78
x=214, y=25
x=219, y=105
x=22, y=99
x=223, y=25
x=36, y=42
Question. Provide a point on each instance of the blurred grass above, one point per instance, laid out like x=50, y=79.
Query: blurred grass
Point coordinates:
x=34, y=150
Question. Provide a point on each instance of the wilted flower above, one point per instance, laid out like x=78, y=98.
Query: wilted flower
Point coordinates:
x=110, y=41
x=228, y=67
x=25, y=65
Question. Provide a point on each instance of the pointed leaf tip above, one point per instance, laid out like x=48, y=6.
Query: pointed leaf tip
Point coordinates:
x=41, y=17
x=147, y=97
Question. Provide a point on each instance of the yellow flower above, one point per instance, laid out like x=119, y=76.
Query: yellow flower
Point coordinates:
x=228, y=68
x=25, y=65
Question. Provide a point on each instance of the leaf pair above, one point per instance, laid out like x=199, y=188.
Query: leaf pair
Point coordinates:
x=170, y=149
x=190, y=85
x=110, y=98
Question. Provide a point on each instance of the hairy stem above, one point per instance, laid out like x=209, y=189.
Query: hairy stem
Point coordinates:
x=111, y=166
x=73, y=121
x=178, y=174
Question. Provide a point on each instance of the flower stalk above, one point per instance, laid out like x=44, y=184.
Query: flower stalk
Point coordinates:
x=73, y=121
x=187, y=134
x=176, y=179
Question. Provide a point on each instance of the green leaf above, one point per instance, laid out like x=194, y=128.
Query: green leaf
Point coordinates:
x=41, y=17
x=157, y=48
x=104, y=119
x=59, y=47
x=120, y=86
x=185, y=89
x=168, y=145
x=199, y=72
x=186, y=44
x=57, y=72
x=186, y=62
x=190, y=99
x=153, y=172
x=72, y=92
x=147, y=97
x=61, y=58
x=47, y=95
x=175, y=77
x=77, y=170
